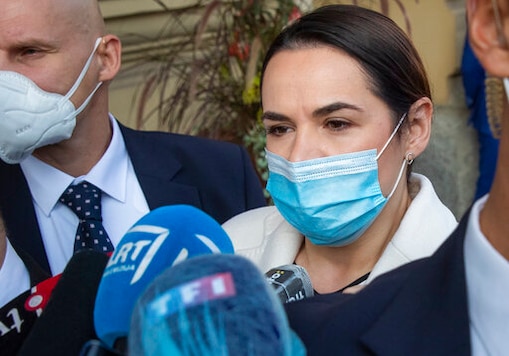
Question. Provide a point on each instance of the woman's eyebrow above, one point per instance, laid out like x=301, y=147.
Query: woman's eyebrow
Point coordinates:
x=273, y=116
x=325, y=110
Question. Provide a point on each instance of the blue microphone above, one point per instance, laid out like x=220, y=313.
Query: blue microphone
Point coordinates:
x=163, y=238
x=211, y=305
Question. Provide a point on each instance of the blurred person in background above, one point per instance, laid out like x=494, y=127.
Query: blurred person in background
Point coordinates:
x=454, y=302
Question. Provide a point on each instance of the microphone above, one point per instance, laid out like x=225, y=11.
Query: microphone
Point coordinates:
x=18, y=316
x=15, y=324
x=162, y=238
x=66, y=322
x=291, y=283
x=40, y=295
x=211, y=305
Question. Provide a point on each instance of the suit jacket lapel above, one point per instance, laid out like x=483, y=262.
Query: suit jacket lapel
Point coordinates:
x=155, y=167
x=19, y=214
x=430, y=312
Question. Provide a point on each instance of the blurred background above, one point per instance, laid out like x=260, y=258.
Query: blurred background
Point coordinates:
x=192, y=66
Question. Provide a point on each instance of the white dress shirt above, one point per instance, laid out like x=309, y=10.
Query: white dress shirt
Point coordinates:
x=14, y=277
x=123, y=202
x=487, y=276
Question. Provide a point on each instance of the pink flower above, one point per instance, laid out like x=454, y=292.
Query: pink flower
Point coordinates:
x=295, y=14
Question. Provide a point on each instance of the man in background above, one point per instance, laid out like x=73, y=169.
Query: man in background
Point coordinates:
x=473, y=77
x=62, y=148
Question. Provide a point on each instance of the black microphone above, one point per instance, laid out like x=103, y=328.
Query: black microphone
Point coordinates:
x=291, y=283
x=15, y=324
x=67, y=323
x=211, y=305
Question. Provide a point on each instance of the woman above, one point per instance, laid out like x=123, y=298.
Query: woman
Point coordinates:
x=347, y=108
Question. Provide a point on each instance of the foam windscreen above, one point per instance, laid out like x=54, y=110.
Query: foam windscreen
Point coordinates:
x=160, y=239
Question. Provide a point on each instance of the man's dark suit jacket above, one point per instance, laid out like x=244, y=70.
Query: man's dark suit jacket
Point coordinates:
x=417, y=309
x=214, y=176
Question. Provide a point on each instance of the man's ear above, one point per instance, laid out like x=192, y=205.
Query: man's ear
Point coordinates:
x=110, y=53
x=420, y=116
x=489, y=41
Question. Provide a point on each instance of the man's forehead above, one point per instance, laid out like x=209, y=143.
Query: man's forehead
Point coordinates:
x=38, y=27
x=49, y=10
x=35, y=41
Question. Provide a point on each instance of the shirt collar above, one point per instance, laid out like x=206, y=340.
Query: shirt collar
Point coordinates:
x=109, y=174
x=487, y=283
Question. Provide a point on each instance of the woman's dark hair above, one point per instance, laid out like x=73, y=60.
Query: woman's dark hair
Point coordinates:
x=385, y=53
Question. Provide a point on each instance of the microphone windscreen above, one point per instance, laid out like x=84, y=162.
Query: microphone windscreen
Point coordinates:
x=160, y=239
x=211, y=305
x=66, y=322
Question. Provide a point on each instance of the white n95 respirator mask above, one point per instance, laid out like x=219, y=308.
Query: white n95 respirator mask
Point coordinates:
x=31, y=117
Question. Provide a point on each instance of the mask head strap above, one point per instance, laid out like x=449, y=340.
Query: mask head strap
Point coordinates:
x=392, y=135
x=400, y=174
x=84, y=71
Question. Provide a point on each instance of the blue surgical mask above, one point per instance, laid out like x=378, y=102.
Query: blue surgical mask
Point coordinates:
x=330, y=200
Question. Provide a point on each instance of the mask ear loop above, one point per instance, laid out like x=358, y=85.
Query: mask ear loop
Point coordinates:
x=400, y=174
x=77, y=83
x=83, y=71
x=402, y=169
x=391, y=137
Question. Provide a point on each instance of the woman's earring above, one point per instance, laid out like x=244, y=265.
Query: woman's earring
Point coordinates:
x=409, y=158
